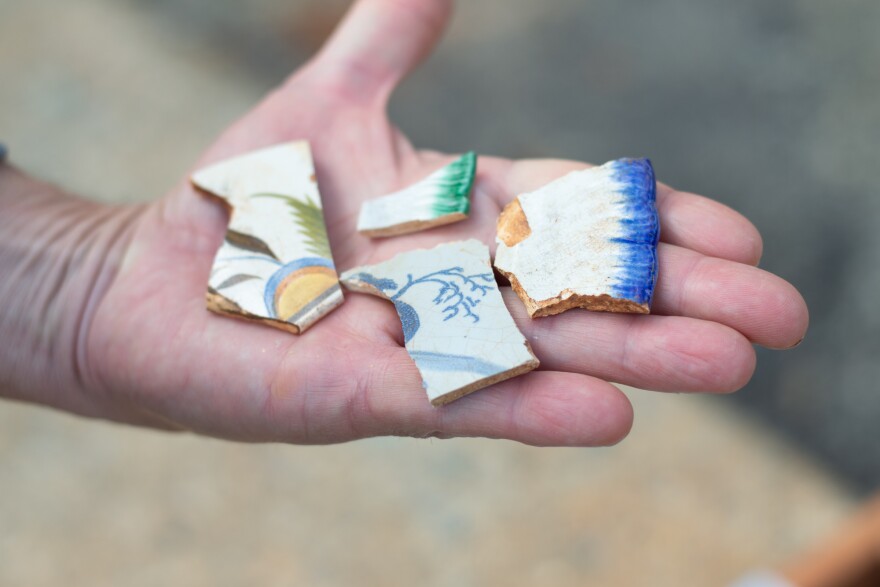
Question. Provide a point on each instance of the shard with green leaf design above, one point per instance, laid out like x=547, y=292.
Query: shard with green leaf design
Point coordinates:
x=310, y=220
x=440, y=198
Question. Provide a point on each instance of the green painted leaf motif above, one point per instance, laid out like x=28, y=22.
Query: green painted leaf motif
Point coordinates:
x=248, y=243
x=310, y=219
x=454, y=187
x=235, y=280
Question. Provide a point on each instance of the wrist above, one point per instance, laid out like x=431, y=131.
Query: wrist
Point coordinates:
x=58, y=256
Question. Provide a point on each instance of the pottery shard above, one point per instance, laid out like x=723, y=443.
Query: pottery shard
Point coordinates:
x=513, y=226
x=455, y=324
x=442, y=197
x=587, y=240
x=274, y=266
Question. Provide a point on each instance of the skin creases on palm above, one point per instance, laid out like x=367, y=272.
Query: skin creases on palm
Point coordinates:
x=158, y=356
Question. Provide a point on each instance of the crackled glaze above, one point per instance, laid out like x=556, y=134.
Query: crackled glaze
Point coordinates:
x=455, y=324
x=588, y=239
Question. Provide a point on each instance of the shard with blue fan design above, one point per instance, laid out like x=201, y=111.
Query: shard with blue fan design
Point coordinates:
x=586, y=240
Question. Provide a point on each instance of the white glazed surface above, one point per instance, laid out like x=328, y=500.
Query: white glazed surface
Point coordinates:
x=283, y=170
x=444, y=342
x=570, y=246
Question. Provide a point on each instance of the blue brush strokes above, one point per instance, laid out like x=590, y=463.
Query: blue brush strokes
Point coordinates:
x=637, y=268
x=458, y=294
x=409, y=319
x=380, y=284
x=275, y=281
x=452, y=290
x=444, y=362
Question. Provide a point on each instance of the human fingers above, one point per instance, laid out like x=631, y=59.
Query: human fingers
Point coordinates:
x=385, y=397
x=702, y=280
x=377, y=44
x=542, y=408
x=686, y=220
x=661, y=353
x=706, y=226
x=765, y=308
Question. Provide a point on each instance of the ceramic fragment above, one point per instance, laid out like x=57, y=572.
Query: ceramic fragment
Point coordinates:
x=455, y=324
x=275, y=264
x=441, y=198
x=587, y=240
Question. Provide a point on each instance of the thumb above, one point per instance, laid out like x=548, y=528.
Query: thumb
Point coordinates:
x=377, y=44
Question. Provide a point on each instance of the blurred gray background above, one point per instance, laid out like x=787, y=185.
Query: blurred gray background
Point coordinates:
x=770, y=106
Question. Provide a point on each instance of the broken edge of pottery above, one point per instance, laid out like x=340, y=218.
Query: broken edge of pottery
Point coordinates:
x=455, y=324
x=274, y=266
x=441, y=198
x=586, y=240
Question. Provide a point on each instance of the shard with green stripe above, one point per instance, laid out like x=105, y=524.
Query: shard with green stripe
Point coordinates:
x=441, y=198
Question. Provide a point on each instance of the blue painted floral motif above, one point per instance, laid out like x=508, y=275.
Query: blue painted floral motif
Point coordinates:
x=458, y=294
x=458, y=291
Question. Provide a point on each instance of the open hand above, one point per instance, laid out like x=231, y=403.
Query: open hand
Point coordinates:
x=154, y=355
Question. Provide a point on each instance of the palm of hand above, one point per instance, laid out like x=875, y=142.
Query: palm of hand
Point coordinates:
x=348, y=377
